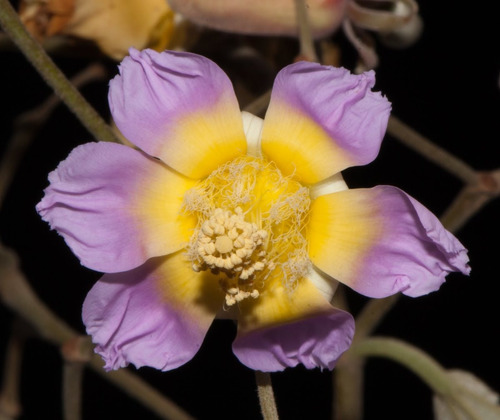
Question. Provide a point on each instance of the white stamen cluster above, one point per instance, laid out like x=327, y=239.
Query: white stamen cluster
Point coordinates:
x=251, y=222
x=235, y=294
x=227, y=243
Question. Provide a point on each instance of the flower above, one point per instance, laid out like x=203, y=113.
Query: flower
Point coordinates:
x=220, y=212
x=396, y=22
x=114, y=27
x=261, y=16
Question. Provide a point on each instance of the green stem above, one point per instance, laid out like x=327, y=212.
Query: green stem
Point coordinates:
x=419, y=362
x=371, y=315
x=33, y=51
x=348, y=384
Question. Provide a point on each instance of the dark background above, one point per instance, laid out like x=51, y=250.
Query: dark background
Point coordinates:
x=446, y=86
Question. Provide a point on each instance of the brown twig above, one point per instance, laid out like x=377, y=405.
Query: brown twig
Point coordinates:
x=480, y=188
x=16, y=293
x=266, y=396
x=27, y=125
x=472, y=199
x=72, y=390
x=141, y=391
x=10, y=403
x=414, y=140
x=348, y=382
x=76, y=352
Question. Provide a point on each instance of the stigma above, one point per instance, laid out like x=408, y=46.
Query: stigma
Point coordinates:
x=226, y=242
x=251, y=224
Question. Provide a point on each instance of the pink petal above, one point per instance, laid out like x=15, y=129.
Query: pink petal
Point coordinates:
x=179, y=107
x=381, y=241
x=315, y=342
x=116, y=207
x=286, y=326
x=150, y=316
x=322, y=120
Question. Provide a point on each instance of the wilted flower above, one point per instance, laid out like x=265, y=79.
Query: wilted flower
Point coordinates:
x=469, y=399
x=113, y=26
x=262, y=17
x=220, y=211
x=396, y=21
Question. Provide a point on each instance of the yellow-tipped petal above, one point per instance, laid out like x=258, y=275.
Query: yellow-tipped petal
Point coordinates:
x=204, y=140
x=283, y=328
x=380, y=241
x=179, y=107
x=155, y=315
x=322, y=120
x=158, y=209
x=299, y=146
x=341, y=231
x=195, y=293
x=279, y=305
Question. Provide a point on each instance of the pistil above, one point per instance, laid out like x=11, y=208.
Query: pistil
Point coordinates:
x=251, y=222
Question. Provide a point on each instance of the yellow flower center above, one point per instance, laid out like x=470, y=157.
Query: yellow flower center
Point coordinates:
x=251, y=222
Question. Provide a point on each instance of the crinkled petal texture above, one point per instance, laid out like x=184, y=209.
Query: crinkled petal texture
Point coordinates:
x=381, y=241
x=116, y=207
x=179, y=107
x=283, y=328
x=322, y=120
x=156, y=315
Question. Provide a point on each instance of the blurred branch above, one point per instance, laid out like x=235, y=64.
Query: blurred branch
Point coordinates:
x=16, y=294
x=76, y=352
x=348, y=383
x=141, y=391
x=259, y=105
x=413, y=358
x=72, y=390
x=414, y=140
x=472, y=199
x=307, y=51
x=266, y=396
x=27, y=125
x=480, y=188
x=5, y=43
x=10, y=404
x=52, y=75
x=371, y=315
x=364, y=45
x=53, y=45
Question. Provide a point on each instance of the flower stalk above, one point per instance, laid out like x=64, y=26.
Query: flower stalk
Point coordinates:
x=266, y=396
x=17, y=295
